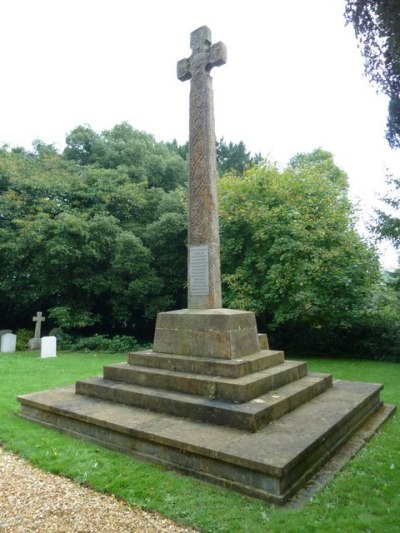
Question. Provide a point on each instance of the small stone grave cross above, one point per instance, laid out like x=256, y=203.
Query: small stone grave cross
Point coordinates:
x=38, y=319
x=204, y=275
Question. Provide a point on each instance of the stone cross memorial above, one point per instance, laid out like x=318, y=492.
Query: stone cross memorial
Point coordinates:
x=204, y=329
x=211, y=398
x=204, y=278
x=38, y=327
x=35, y=342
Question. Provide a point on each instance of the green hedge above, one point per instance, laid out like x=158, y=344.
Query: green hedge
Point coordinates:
x=103, y=343
x=379, y=340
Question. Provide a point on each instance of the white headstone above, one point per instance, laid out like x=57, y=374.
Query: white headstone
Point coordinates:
x=8, y=343
x=48, y=347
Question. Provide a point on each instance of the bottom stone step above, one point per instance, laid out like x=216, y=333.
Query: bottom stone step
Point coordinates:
x=270, y=464
x=250, y=416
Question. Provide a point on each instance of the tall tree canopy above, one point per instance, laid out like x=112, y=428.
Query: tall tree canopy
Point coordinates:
x=290, y=251
x=87, y=235
x=377, y=27
x=96, y=237
x=234, y=158
x=388, y=222
x=231, y=157
x=124, y=148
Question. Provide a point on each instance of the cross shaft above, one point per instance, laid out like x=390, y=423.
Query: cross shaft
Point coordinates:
x=204, y=276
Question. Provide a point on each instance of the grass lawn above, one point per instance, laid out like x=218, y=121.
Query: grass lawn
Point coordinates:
x=365, y=496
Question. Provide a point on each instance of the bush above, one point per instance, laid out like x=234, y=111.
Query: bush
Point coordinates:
x=379, y=340
x=23, y=336
x=101, y=343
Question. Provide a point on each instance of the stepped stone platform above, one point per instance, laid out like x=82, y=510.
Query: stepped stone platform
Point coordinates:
x=254, y=422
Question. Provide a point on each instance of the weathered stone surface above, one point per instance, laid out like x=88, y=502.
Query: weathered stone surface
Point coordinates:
x=203, y=231
x=229, y=368
x=263, y=341
x=34, y=344
x=237, y=390
x=39, y=318
x=270, y=464
x=251, y=416
x=4, y=331
x=216, y=333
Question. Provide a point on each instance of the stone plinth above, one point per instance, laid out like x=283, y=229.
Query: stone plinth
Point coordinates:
x=217, y=333
x=34, y=344
x=263, y=341
x=8, y=343
x=48, y=347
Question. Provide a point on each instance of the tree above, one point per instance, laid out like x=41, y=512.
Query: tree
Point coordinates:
x=388, y=224
x=321, y=162
x=377, y=27
x=182, y=150
x=289, y=248
x=234, y=157
x=134, y=152
x=90, y=243
x=231, y=157
x=82, y=145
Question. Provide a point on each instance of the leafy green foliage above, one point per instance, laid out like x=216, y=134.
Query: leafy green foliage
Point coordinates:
x=23, y=336
x=234, y=158
x=388, y=223
x=81, y=234
x=322, y=164
x=96, y=238
x=126, y=149
x=69, y=318
x=377, y=27
x=377, y=339
x=101, y=343
x=290, y=251
x=182, y=150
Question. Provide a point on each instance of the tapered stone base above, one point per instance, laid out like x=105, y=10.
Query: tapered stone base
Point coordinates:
x=217, y=333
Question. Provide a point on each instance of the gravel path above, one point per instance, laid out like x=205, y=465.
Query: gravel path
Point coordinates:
x=35, y=501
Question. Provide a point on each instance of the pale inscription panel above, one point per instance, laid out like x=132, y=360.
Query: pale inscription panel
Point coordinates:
x=198, y=270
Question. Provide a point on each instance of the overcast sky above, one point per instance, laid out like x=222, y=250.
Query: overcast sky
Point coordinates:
x=293, y=81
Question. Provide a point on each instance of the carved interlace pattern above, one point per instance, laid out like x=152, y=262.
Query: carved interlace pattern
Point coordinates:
x=203, y=209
